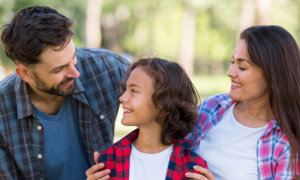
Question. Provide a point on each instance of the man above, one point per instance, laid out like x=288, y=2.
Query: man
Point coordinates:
x=60, y=104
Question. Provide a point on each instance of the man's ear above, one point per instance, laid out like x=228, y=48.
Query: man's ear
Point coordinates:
x=23, y=72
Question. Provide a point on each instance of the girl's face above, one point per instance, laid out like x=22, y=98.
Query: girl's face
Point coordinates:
x=137, y=102
x=247, y=79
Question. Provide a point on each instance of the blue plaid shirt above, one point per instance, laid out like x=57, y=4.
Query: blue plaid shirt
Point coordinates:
x=96, y=95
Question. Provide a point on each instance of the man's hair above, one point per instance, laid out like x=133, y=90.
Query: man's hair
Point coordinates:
x=174, y=97
x=33, y=29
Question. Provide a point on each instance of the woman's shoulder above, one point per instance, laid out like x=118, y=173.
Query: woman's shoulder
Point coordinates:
x=216, y=100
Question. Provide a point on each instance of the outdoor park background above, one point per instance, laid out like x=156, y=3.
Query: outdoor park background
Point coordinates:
x=198, y=34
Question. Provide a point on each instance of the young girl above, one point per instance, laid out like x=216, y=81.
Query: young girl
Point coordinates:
x=161, y=101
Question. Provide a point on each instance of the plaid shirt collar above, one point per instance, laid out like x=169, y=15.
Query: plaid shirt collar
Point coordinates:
x=179, y=145
x=224, y=105
x=24, y=105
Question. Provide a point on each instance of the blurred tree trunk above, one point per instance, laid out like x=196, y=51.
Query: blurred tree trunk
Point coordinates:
x=247, y=14
x=263, y=11
x=187, y=46
x=93, y=24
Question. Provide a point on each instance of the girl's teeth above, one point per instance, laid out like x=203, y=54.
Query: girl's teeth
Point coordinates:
x=235, y=84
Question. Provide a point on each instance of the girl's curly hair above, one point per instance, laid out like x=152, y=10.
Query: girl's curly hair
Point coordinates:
x=175, y=97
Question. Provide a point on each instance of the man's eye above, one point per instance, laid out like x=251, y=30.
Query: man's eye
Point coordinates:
x=58, y=70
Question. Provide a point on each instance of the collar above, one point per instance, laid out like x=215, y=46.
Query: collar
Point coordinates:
x=179, y=145
x=24, y=105
x=225, y=102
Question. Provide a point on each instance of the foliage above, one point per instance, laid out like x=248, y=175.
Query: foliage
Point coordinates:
x=153, y=27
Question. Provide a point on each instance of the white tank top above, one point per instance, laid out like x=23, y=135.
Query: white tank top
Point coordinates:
x=230, y=149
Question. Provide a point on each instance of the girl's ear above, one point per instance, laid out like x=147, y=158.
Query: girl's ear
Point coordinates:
x=23, y=72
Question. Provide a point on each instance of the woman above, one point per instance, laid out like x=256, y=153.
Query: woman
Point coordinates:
x=254, y=131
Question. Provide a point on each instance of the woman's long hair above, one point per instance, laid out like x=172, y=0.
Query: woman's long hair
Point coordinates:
x=273, y=49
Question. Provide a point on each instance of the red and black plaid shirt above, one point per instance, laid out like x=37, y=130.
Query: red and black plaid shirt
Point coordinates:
x=181, y=161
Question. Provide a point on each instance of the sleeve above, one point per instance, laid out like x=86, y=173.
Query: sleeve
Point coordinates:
x=8, y=169
x=193, y=159
x=199, y=160
x=108, y=157
x=283, y=169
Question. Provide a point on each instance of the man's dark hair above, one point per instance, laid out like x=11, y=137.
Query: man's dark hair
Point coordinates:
x=174, y=97
x=31, y=30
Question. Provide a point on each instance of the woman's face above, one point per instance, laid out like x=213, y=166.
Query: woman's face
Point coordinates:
x=247, y=80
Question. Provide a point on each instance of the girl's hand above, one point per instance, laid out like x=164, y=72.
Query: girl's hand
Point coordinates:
x=205, y=174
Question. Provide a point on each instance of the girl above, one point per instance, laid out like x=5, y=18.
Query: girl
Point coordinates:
x=161, y=101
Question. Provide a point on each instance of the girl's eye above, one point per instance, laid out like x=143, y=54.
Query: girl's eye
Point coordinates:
x=133, y=91
x=242, y=69
x=231, y=62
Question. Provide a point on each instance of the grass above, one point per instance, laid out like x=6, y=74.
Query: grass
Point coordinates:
x=205, y=85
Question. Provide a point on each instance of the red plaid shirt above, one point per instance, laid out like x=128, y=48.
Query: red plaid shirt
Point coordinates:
x=182, y=159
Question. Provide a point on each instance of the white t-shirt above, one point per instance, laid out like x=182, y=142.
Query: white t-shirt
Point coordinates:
x=230, y=149
x=144, y=166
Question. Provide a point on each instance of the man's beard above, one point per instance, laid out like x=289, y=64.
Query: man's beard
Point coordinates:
x=58, y=90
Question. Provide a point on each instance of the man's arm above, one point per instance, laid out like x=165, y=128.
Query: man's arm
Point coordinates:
x=8, y=169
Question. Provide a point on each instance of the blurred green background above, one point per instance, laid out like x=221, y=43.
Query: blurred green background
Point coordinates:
x=198, y=34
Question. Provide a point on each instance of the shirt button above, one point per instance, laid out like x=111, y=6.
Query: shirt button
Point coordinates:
x=259, y=142
x=101, y=116
x=40, y=156
x=260, y=163
x=39, y=127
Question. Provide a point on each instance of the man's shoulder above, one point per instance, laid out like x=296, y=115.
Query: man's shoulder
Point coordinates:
x=96, y=54
x=100, y=63
x=8, y=99
x=8, y=84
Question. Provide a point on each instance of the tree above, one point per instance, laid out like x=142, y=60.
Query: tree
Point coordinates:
x=263, y=11
x=247, y=14
x=92, y=24
x=187, y=45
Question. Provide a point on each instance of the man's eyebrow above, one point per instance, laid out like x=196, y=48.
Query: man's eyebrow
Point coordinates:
x=58, y=67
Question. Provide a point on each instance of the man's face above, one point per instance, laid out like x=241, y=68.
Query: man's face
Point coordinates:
x=56, y=71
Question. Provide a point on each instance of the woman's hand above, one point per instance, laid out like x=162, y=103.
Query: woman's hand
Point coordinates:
x=205, y=174
x=96, y=172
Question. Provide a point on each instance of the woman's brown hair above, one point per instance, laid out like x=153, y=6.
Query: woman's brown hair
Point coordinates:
x=273, y=49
